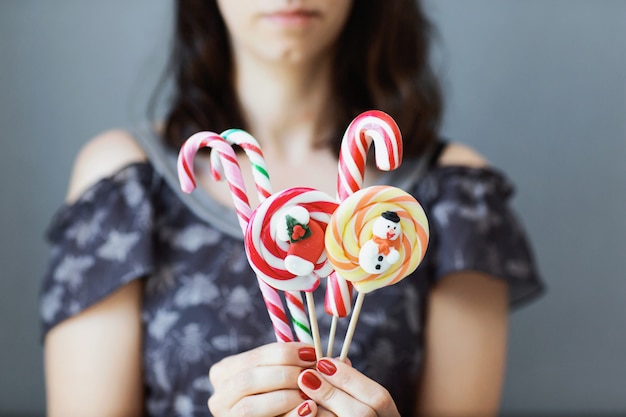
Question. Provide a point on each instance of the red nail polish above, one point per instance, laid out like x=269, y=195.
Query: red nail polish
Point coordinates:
x=326, y=367
x=307, y=354
x=310, y=380
x=303, y=395
x=304, y=410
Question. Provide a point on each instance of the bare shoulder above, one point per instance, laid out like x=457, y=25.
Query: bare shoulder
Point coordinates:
x=101, y=157
x=463, y=155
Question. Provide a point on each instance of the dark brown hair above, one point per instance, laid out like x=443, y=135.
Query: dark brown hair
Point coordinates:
x=381, y=62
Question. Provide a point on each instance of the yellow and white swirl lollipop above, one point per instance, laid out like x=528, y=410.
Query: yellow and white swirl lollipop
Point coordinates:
x=375, y=238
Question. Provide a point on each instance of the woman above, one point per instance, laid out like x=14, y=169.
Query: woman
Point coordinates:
x=148, y=290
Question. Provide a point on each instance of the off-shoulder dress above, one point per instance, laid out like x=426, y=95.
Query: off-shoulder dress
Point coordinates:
x=201, y=300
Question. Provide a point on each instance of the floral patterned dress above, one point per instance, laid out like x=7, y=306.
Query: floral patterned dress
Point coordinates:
x=201, y=299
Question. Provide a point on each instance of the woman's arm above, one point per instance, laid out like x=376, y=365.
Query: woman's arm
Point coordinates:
x=466, y=333
x=465, y=347
x=93, y=360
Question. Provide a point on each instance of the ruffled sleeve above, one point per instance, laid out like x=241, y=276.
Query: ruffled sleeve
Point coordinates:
x=99, y=243
x=473, y=228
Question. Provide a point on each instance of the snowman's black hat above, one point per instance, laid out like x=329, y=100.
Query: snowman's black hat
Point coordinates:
x=392, y=216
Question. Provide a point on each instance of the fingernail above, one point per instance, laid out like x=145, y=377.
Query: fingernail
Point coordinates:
x=326, y=367
x=303, y=395
x=311, y=381
x=304, y=410
x=307, y=354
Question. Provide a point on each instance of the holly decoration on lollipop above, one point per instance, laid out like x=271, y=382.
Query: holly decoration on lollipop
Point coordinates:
x=306, y=238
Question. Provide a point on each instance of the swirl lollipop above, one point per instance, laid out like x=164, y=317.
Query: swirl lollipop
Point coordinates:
x=376, y=237
x=251, y=147
x=227, y=166
x=285, y=243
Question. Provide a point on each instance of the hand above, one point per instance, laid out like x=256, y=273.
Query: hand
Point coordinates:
x=337, y=387
x=262, y=382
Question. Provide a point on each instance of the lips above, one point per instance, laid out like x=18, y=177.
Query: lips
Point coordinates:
x=292, y=17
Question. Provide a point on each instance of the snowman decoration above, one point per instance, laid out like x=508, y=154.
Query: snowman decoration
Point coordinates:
x=305, y=237
x=378, y=254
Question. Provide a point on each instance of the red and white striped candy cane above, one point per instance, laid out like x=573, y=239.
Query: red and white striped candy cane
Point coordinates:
x=251, y=147
x=229, y=168
x=337, y=303
x=370, y=126
x=260, y=173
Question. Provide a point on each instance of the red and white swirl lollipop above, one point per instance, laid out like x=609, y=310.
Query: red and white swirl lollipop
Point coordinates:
x=285, y=243
x=268, y=246
x=229, y=168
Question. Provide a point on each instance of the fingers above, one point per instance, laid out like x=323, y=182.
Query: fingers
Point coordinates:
x=330, y=397
x=306, y=409
x=310, y=409
x=263, y=380
x=291, y=354
x=345, y=391
x=259, y=380
x=268, y=404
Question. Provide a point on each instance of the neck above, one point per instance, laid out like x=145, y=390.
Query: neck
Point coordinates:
x=285, y=105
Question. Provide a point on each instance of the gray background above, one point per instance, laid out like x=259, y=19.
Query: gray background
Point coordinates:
x=538, y=86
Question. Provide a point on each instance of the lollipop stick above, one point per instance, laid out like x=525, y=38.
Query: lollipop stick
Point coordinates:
x=314, y=328
x=331, y=336
x=352, y=326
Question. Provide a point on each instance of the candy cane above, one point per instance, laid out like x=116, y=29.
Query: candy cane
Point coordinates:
x=371, y=126
x=337, y=304
x=251, y=147
x=229, y=168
